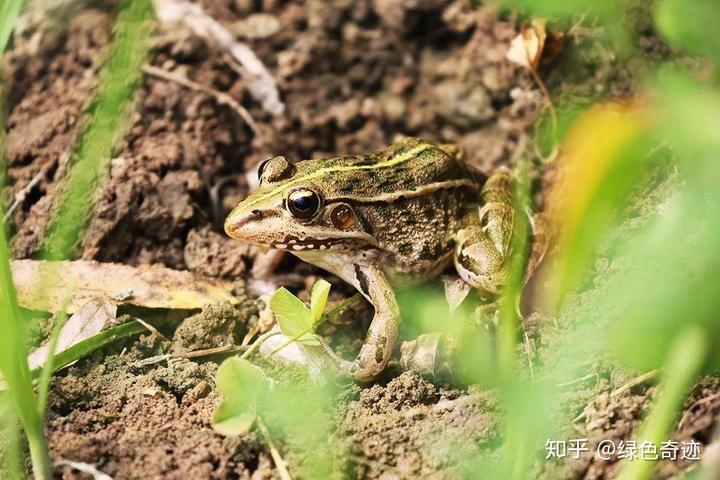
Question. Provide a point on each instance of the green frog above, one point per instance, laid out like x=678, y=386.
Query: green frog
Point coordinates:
x=391, y=219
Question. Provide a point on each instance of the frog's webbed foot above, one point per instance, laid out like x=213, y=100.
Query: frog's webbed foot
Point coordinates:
x=383, y=332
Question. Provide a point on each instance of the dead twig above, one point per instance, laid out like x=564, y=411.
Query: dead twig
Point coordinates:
x=206, y=352
x=634, y=382
x=279, y=461
x=709, y=399
x=259, y=81
x=220, y=97
x=84, y=468
x=577, y=380
x=622, y=389
x=151, y=328
x=22, y=194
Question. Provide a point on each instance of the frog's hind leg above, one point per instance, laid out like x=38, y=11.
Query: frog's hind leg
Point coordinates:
x=483, y=248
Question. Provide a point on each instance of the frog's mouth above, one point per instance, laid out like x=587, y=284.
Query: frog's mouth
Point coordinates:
x=294, y=243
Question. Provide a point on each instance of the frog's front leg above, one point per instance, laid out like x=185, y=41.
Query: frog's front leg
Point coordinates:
x=383, y=332
x=483, y=249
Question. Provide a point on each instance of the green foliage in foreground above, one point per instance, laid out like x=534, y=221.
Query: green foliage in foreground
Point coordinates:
x=104, y=127
x=662, y=315
x=13, y=351
x=294, y=409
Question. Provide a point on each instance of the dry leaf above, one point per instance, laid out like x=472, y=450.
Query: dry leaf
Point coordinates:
x=527, y=47
x=42, y=285
x=85, y=323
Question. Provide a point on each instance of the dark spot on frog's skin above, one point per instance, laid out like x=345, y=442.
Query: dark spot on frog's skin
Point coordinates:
x=380, y=349
x=350, y=185
x=429, y=213
x=405, y=248
x=365, y=225
x=465, y=261
x=362, y=280
x=426, y=253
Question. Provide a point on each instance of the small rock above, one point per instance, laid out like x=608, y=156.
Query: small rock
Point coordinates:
x=256, y=27
x=462, y=104
x=217, y=325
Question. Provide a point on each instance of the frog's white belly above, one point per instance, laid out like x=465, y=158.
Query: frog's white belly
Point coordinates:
x=339, y=263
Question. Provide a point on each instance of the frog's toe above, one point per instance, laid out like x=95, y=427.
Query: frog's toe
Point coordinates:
x=363, y=371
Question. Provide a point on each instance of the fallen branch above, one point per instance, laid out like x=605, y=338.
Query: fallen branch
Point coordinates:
x=279, y=461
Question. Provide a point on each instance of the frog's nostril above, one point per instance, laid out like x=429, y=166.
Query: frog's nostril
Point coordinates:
x=256, y=213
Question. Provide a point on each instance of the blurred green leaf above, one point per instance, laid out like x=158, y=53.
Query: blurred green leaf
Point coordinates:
x=9, y=12
x=566, y=8
x=672, y=279
x=690, y=25
x=604, y=158
x=685, y=358
x=241, y=384
x=318, y=300
x=302, y=415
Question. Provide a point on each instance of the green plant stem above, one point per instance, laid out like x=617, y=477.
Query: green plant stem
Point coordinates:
x=518, y=442
x=686, y=358
x=41, y=465
x=260, y=340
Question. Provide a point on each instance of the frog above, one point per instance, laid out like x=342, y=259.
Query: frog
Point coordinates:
x=382, y=221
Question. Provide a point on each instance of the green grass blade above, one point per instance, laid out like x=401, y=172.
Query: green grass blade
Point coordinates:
x=108, y=112
x=685, y=361
x=89, y=345
x=14, y=366
x=9, y=12
x=46, y=372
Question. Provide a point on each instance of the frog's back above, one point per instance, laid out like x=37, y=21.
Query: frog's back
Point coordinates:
x=409, y=167
x=414, y=206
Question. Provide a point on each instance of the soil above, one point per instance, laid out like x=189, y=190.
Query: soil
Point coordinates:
x=354, y=76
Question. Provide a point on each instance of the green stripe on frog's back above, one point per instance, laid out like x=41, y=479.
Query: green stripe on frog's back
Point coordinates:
x=423, y=174
x=391, y=162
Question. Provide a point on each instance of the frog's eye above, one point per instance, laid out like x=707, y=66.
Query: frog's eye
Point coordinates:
x=303, y=203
